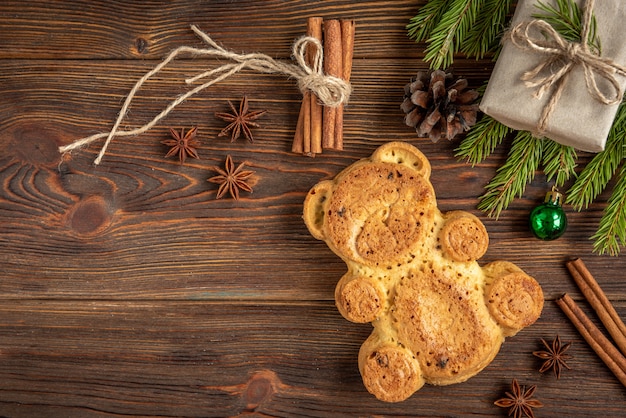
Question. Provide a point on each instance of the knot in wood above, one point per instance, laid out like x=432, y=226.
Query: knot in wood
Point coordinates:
x=34, y=144
x=260, y=388
x=90, y=216
x=141, y=44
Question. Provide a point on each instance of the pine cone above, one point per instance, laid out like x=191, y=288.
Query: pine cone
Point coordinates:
x=437, y=107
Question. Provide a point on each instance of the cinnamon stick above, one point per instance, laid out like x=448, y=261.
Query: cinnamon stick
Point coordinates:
x=598, y=301
x=332, y=66
x=314, y=29
x=306, y=123
x=607, y=352
x=308, y=135
x=347, y=49
x=298, y=138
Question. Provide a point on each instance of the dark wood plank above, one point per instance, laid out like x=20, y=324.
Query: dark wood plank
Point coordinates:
x=223, y=359
x=116, y=29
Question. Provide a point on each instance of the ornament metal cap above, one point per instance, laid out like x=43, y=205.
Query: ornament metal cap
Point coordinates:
x=554, y=196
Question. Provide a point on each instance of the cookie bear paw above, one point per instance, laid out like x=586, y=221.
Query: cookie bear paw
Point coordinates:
x=389, y=371
x=359, y=299
x=515, y=299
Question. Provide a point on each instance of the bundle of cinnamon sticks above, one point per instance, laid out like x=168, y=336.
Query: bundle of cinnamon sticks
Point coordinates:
x=321, y=127
x=613, y=357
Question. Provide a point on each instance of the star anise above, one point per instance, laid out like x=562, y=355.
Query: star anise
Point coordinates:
x=183, y=144
x=231, y=179
x=519, y=402
x=240, y=121
x=554, y=356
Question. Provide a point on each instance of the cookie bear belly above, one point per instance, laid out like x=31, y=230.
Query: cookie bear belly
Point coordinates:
x=445, y=323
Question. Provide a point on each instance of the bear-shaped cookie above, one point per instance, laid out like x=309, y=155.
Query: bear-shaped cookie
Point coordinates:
x=438, y=316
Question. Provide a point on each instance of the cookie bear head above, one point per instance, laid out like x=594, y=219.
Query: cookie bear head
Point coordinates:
x=438, y=316
x=375, y=211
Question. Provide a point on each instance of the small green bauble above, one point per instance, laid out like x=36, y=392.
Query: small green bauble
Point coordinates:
x=548, y=220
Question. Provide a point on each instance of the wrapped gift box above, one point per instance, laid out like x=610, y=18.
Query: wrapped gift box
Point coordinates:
x=579, y=119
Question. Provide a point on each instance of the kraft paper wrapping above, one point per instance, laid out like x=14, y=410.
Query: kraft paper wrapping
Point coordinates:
x=579, y=119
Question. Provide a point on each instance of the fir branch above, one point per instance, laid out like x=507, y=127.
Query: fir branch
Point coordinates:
x=598, y=172
x=511, y=178
x=566, y=19
x=446, y=37
x=470, y=27
x=482, y=140
x=483, y=36
x=612, y=230
x=421, y=25
x=595, y=176
x=559, y=161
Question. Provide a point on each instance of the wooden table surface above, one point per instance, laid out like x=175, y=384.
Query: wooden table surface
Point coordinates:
x=127, y=289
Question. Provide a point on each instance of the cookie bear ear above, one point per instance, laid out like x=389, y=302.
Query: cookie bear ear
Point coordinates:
x=405, y=154
x=314, y=208
x=463, y=237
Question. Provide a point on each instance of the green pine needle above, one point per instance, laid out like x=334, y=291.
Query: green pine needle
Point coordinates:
x=597, y=173
x=559, y=161
x=511, y=178
x=612, y=231
x=482, y=140
x=483, y=36
x=446, y=37
x=422, y=24
x=566, y=19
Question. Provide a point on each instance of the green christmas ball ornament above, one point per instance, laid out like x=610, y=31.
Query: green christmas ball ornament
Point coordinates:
x=548, y=220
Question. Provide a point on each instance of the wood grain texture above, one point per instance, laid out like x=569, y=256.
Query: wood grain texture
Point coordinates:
x=190, y=359
x=117, y=29
x=127, y=289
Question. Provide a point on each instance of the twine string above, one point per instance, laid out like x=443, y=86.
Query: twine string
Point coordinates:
x=560, y=58
x=331, y=91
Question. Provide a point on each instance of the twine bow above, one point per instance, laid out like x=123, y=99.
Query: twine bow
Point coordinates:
x=561, y=56
x=331, y=91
